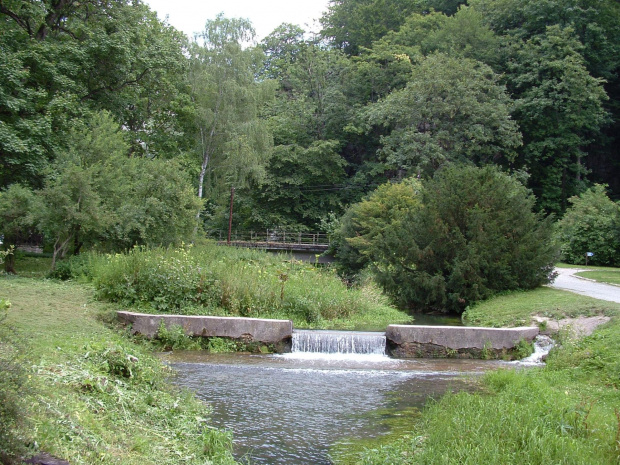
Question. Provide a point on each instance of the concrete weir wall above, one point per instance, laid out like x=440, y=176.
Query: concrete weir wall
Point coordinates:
x=408, y=341
x=247, y=329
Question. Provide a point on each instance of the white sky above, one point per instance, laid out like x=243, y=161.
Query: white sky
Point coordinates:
x=190, y=16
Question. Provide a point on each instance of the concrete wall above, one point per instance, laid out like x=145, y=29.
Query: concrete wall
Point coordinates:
x=427, y=341
x=247, y=329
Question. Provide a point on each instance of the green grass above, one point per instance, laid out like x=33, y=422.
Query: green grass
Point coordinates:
x=565, y=413
x=602, y=276
x=517, y=308
x=589, y=267
x=32, y=266
x=94, y=396
x=221, y=281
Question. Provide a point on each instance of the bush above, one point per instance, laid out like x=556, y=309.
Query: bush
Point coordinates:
x=474, y=235
x=591, y=224
x=214, y=280
x=75, y=267
x=364, y=225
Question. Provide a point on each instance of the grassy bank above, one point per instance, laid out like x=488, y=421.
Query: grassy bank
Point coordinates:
x=518, y=308
x=567, y=412
x=610, y=276
x=90, y=395
x=222, y=281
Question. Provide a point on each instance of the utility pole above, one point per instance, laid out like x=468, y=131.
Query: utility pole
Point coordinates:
x=232, y=196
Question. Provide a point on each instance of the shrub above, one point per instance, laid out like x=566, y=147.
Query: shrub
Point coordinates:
x=365, y=224
x=214, y=280
x=474, y=235
x=591, y=224
x=75, y=267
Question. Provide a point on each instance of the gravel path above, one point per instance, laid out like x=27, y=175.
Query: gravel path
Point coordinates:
x=566, y=281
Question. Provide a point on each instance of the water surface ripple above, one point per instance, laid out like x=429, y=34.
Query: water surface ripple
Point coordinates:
x=288, y=410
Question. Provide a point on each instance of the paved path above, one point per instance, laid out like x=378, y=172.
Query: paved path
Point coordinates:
x=566, y=281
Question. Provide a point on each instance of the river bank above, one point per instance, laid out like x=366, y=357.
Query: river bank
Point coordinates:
x=90, y=394
x=94, y=396
x=564, y=412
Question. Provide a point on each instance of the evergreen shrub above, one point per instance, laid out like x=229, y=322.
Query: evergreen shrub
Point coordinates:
x=474, y=234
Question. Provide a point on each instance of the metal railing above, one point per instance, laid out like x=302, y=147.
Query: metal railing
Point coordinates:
x=269, y=236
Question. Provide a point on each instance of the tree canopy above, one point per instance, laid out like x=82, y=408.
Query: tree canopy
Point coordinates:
x=105, y=110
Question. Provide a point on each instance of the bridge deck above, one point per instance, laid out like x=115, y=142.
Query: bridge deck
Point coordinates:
x=285, y=246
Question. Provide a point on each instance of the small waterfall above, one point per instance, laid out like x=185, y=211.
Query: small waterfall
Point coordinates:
x=338, y=343
x=542, y=345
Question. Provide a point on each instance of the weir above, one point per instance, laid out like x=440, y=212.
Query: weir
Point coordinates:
x=338, y=342
x=399, y=341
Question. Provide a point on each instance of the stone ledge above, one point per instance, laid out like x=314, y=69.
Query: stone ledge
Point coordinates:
x=416, y=341
x=248, y=329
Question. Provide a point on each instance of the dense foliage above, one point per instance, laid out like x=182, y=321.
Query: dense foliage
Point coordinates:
x=211, y=280
x=591, y=224
x=365, y=227
x=474, y=234
x=116, y=130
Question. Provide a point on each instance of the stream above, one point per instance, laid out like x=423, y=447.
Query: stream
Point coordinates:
x=290, y=409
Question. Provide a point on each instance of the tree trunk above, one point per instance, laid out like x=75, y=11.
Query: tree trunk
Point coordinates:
x=59, y=250
x=9, y=262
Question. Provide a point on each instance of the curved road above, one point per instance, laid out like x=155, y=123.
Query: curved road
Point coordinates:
x=567, y=282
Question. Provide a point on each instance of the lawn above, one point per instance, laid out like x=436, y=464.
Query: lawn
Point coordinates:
x=608, y=276
x=88, y=393
x=517, y=308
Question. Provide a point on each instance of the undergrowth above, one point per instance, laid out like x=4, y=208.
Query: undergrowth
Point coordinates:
x=213, y=280
x=175, y=338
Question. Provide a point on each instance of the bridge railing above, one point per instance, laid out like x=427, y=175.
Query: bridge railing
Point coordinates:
x=270, y=236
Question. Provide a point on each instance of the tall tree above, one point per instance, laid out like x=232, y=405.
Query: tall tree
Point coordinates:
x=354, y=24
x=351, y=24
x=451, y=110
x=61, y=59
x=232, y=143
x=595, y=25
x=559, y=106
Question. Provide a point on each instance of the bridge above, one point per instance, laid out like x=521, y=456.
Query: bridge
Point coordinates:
x=306, y=246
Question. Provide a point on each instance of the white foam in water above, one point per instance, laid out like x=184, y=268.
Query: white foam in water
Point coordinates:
x=338, y=345
x=542, y=346
x=336, y=357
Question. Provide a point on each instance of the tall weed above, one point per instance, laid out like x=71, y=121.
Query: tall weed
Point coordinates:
x=216, y=280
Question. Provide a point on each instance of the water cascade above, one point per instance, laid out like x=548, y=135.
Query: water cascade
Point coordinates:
x=542, y=345
x=338, y=343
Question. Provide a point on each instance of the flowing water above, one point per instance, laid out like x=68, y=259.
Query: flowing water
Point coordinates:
x=314, y=342
x=291, y=408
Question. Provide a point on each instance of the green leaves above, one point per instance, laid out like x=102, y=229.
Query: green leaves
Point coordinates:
x=451, y=110
x=591, y=224
x=470, y=233
x=560, y=109
x=301, y=185
x=231, y=143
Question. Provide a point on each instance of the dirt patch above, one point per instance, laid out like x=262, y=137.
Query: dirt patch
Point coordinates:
x=580, y=326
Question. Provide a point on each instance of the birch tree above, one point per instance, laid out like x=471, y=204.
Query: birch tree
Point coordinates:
x=231, y=142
